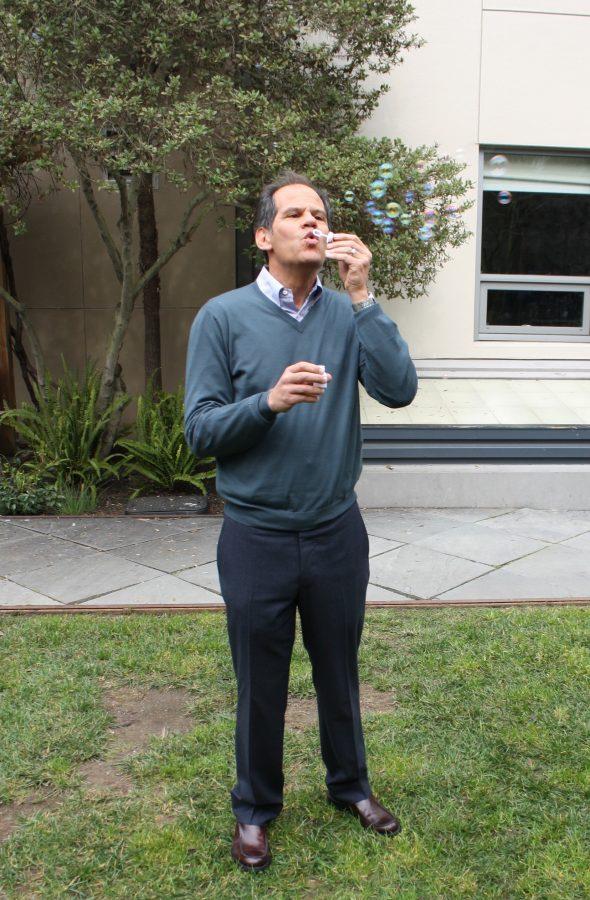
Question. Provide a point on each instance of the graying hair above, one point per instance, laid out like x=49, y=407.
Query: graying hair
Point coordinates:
x=266, y=209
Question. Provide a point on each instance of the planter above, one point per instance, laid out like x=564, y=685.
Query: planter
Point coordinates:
x=166, y=504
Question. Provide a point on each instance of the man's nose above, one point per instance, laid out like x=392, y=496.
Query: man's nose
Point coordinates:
x=310, y=219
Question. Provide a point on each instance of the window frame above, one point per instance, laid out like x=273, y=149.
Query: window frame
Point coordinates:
x=491, y=281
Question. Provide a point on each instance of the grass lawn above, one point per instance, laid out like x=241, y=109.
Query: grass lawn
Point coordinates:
x=476, y=726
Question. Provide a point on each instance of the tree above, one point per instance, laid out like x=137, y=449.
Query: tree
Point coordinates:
x=238, y=90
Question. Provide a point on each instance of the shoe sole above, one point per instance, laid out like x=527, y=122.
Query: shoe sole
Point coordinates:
x=248, y=868
x=344, y=806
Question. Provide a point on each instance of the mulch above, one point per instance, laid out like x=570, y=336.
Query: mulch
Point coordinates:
x=116, y=496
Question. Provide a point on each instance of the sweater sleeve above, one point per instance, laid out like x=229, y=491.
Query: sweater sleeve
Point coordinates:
x=213, y=424
x=386, y=370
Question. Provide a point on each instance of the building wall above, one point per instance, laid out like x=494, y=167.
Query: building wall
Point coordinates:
x=494, y=72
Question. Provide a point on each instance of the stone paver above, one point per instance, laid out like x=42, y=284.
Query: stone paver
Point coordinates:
x=422, y=573
x=481, y=544
x=165, y=590
x=416, y=555
x=543, y=524
x=12, y=594
x=85, y=578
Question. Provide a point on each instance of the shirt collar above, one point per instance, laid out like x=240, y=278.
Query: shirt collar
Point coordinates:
x=273, y=288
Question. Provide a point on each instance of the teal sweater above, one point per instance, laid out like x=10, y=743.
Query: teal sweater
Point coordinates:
x=291, y=470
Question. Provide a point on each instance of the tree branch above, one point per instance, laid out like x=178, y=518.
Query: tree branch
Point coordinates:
x=183, y=237
x=103, y=228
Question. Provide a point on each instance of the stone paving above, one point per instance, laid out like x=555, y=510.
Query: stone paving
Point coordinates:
x=416, y=556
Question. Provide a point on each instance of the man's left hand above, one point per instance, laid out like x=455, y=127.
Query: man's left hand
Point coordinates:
x=354, y=260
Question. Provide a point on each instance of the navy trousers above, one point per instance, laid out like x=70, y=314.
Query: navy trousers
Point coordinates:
x=265, y=575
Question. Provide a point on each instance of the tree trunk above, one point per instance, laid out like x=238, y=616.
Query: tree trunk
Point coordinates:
x=124, y=308
x=16, y=333
x=148, y=254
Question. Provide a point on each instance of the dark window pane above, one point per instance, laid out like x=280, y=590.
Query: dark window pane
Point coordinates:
x=547, y=309
x=536, y=234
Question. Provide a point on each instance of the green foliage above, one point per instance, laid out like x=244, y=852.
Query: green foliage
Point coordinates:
x=64, y=434
x=80, y=498
x=158, y=453
x=26, y=493
x=232, y=91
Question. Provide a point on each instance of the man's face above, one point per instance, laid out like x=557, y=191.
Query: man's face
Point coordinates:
x=290, y=241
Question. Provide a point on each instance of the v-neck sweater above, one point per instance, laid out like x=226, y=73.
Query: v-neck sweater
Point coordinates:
x=290, y=470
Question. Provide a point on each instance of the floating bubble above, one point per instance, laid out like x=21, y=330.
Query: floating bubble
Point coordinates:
x=429, y=214
x=378, y=188
x=349, y=196
x=386, y=170
x=451, y=211
x=428, y=187
x=370, y=205
x=504, y=198
x=425, y=233
x=409, y=196
x=498, y=162
x=393, y=210
x=377, y=216
x=388, y=228
x=405, y=219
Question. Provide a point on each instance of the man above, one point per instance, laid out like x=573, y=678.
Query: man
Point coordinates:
x=292, y=534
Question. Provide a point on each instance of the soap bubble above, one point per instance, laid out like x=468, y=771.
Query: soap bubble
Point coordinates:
x=378, y=188
x=370, y=205
x=451, y=211
x=405, y=219
x=388, y=228
x=425, y=233
x=349, y=196
x=409, y=196
x=504, y=198
x=377, y=216
x=428, y=188
x=498, y=162
x=429, y=214
x=386, y=170
x=393, y=210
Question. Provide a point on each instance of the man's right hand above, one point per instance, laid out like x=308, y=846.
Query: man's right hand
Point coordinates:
x=298, y=384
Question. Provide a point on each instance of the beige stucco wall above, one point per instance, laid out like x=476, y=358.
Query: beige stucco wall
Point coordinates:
x=65, y=278
x=507, y=73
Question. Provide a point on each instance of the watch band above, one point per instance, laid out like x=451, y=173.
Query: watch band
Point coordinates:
x=364, y=303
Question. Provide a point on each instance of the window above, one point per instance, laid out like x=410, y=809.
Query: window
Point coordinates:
x=534, y=273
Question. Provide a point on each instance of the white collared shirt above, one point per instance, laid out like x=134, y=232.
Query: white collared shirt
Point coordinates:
x=283, y=296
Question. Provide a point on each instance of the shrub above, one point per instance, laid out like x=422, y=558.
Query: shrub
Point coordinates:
x=158, y=453
x=24, y=493
x=64, y=434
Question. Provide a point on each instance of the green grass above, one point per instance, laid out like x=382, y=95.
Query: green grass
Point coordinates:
x=485, y=760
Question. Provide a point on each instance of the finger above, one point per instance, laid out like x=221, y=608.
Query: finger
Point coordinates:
x=349, y=238
x=304, y=366
x=352, y=259
x=353, y=251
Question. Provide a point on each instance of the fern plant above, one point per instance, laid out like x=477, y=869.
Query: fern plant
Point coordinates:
x=64, y=435
x=159, y=454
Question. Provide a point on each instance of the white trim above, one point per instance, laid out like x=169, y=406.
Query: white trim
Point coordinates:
x=503, y=368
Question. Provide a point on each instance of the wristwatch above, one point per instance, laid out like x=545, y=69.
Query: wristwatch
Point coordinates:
x=364, y=303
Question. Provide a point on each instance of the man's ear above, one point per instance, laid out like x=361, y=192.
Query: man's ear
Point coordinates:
x=262, y=238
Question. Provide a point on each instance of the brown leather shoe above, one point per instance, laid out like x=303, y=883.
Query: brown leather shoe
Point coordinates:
x=371, y=814
x=250, y=847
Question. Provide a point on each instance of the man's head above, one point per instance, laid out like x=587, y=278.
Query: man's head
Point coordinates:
x=288, y=210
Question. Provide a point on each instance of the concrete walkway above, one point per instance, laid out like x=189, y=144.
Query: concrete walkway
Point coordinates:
x=419, y=557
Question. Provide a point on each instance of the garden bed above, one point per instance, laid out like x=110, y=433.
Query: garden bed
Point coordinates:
x=116, y=496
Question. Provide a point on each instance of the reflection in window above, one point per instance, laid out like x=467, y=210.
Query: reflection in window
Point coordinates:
x=535, y=245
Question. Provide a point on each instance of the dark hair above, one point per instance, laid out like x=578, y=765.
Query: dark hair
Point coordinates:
x=266, y=209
